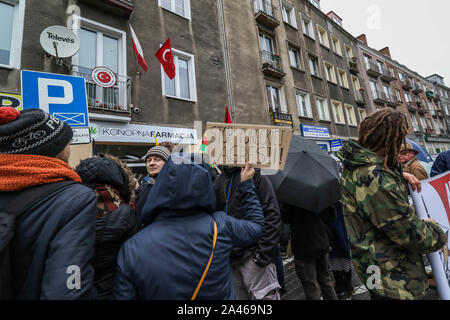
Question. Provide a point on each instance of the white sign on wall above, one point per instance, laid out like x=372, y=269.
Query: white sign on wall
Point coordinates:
x=434, y=202
x=136, y=133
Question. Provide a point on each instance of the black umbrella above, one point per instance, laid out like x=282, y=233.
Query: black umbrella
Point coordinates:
x=310, y=178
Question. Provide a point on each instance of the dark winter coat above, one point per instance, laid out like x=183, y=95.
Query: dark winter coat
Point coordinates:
x=62, y=226
x=266, y=249
x=116, y=220
x=167, y=258
x=441, y=164
x=340, y=244
x=311, y=233
x=141, y=196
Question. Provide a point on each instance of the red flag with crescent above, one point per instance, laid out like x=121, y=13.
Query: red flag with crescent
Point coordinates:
x=165, y=56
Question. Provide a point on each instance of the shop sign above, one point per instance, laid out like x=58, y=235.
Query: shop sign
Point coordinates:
x=314, y=131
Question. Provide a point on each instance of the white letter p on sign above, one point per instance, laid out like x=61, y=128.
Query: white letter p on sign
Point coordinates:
x=45, y=100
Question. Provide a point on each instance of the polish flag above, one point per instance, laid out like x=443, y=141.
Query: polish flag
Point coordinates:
x=138, y=49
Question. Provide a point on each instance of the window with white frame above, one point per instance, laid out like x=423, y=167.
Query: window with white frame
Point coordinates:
x=338, y=112
x=387, y=91
x=398, y=95
x=351, y=117
x=423, y=122
x=275, y=99
x=391, y=71
x=294, y=58
x=348, y=52
x=330, y=73
x=343, y=81
x=414, y=123
x=313, y=66
x=183, y=85
x=407, y=97
x=12, y=14
x=315, y=3
x=288, y=13
x=303, y=104
x=374, y=88
x=102, y=45
x=336, y=45
x=323, y=36
x=362, y=114
x=356, y=84
x=307, y=26
x=179, y=7
x=322, y=108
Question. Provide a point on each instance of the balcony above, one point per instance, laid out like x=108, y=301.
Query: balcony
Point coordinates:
x=353, y=67
x=386, y=76
x=429, y=94
x=413, y=106
x=373, y=69
x=392, y=101
x=114, y=100
x=265, y=13
x=379, y=97
x=417, y=89
x=406, y=84
x=429, y=131
x=440, y=114
x=359, y=98
x=272, y=64
x=281, y=119
x=122, y=8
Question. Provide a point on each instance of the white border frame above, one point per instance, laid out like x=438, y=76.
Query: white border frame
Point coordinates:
x=187, y=8
x=192, y=77
x=15, y=57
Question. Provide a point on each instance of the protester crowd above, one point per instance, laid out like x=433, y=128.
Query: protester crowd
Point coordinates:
x=192, y=231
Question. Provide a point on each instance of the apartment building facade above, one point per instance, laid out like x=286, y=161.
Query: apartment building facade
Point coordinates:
x=390, y=84
x=297, y=62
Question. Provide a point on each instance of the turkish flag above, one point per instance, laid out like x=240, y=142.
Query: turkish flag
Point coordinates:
x=165, y=56
x=227, y=116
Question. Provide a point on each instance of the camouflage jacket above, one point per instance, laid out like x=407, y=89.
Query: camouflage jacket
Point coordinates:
x=383, y=229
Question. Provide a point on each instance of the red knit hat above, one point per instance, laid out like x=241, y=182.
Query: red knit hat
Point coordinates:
x=8, y=114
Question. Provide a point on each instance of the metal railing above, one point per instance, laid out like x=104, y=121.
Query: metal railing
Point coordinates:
x=116, y=98
x=265, y=6
x=406, y=83
x=270, y=59
x=370, y=66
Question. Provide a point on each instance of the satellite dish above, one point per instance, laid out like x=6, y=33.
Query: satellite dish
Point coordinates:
x=59, y=42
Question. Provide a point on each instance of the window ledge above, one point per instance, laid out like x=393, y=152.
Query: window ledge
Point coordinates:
x=353, y=125
x=177, y=14
x=325, y=121
x=317, y=77
x=340, y=123
x=339, y=55
x=325, y=46
x=308, y=36
x=178, y=98
x=5, y=66
x=290, y=25
x=297, y=69
x=305, y=117
x=348, y=89
x=331, y=82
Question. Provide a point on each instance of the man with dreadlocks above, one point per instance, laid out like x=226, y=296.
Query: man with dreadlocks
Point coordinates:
x=387, y=239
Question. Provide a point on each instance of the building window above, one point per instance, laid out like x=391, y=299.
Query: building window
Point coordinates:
x=392, y=72
x=367, y=61
x=307, y=26
x=351, y=118
x=336, y=45
x=356, y=84
x=414, y=123
x=179, y=7
x=275, y=99
x=338, y=112
x=422, y=122
x=323, y=36
x=380, y=66
x=288, y=13
x=348, y=52
x=374, y=89
x=294, y=58
x=407, y=97
x=314, y=66
x=387, y=92
x=315, y=3
x=183, y=86
x=398, y=95
x=362, y=114
x=101, y=45
x=322, y=108
x=12, y=14
x=303, y=104
x=329, y=71
x=343, y=78
x=266, y=43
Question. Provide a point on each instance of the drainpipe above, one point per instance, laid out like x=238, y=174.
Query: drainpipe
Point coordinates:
x=225, y=59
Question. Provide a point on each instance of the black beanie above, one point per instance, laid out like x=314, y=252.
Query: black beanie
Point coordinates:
x=33, y=131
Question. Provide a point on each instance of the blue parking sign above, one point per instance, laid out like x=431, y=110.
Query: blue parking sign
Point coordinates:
x=62, y=96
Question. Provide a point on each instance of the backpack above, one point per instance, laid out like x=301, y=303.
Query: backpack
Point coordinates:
x=20, y=202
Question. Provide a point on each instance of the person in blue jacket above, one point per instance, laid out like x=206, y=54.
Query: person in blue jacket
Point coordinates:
x=166, y=260
x=441, y=164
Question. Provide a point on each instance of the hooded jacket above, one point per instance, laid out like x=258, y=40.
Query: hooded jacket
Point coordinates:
x=383, y=229
x=116, y=220
x=168, y=257
x=266, y=249
x=441, y=164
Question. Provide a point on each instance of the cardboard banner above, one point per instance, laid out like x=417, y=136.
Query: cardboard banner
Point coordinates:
x=235, y=144
x=434, y=202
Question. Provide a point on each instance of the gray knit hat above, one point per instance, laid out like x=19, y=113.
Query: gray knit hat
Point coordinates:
x=33, y=131
x=159, y=151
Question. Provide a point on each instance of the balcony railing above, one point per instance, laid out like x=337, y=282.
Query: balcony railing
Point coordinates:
x=406, y=84
x=416, y=88
x=386, y=75
x=272, y=64
x=379, y=97
x=373, y=69
x=359, y=98
x=115, y=99
x=353, y=67
x=265, y=13
x=392, y=101
x=429, y=94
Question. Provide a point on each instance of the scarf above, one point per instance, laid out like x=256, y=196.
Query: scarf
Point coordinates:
x=20, y=171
